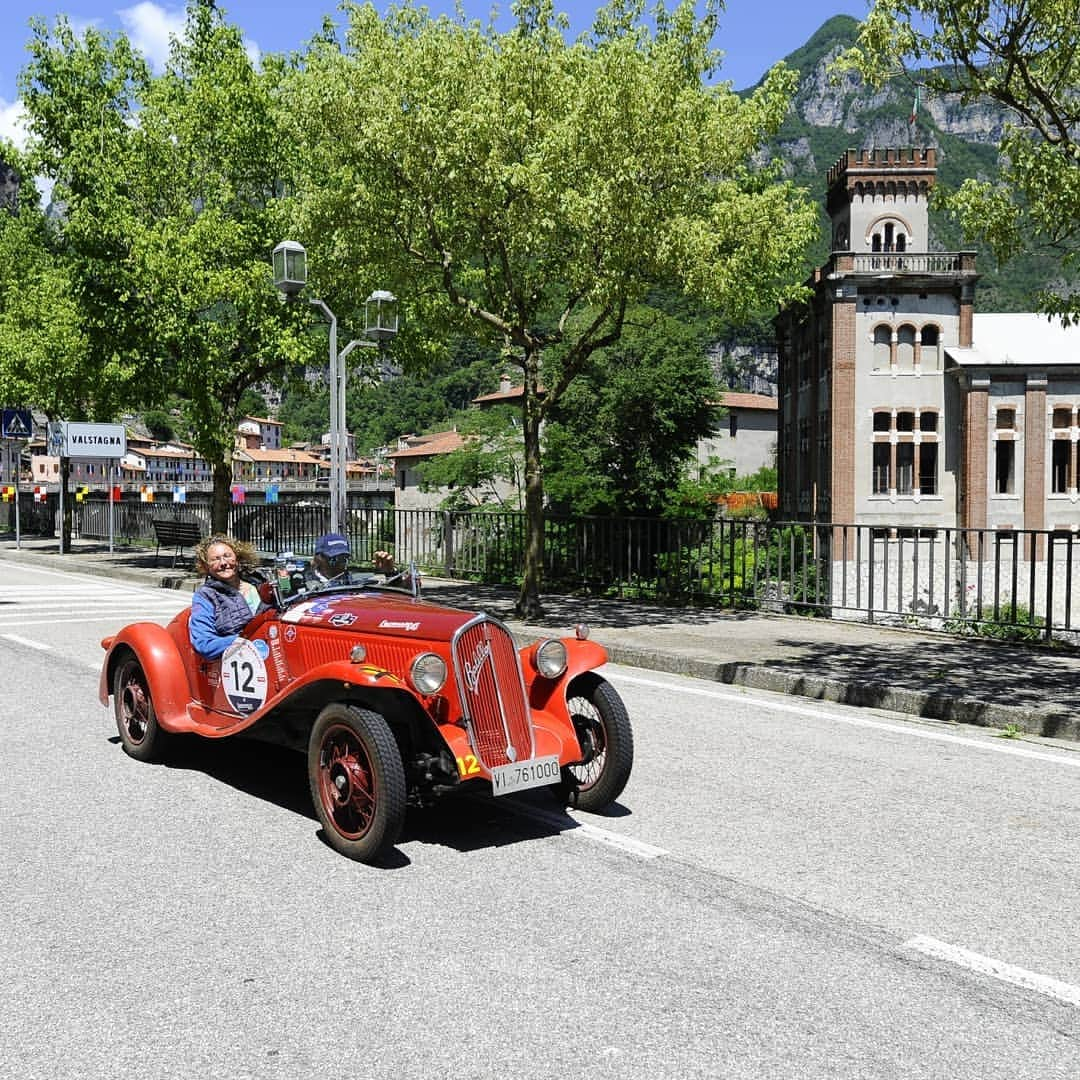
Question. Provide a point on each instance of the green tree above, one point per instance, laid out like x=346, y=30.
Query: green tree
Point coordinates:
x=1026, y=56
x=620, y=438
x=172, y=199
x=533, y=188
x=160, y=424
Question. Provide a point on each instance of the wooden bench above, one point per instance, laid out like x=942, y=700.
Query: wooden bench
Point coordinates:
x=177, y=533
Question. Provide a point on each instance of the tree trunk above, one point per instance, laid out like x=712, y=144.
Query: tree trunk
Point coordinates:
x=528, y=605
x=219, y=507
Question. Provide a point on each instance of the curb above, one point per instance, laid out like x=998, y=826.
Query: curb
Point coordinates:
x=1050, y=723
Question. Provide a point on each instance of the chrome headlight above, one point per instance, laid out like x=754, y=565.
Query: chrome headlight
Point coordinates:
x=550, y=658
x=428, y=673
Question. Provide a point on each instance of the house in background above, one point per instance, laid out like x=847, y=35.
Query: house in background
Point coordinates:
x=413, y=450
x=744, y=438
x=267, y=430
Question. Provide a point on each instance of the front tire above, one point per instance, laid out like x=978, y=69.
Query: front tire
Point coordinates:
x=136, y=719
x=607, y=739
x=357, y=781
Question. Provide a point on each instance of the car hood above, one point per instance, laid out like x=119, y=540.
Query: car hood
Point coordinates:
x=377, y=613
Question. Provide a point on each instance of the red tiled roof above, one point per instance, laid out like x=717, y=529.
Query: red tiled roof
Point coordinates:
x=441, y=442
x=733, y=400
x=301, y=457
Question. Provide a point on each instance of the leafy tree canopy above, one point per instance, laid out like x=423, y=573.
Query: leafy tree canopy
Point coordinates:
x=620, y=438
x=532, y=189
x=1026, y=56
x=173, y=194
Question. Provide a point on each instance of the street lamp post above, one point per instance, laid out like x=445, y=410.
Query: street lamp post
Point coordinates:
x=380, y=325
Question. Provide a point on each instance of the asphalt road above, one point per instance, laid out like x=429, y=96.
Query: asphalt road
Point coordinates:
x=786, y=890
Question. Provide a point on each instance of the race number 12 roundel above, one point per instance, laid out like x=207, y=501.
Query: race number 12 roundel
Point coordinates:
x=243, y=675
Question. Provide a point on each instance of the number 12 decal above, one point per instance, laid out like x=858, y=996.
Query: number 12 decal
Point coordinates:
x=243, y=676
x=468, y=766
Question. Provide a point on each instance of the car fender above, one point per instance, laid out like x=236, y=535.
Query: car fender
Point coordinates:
x=550, y=694
x=156, y=651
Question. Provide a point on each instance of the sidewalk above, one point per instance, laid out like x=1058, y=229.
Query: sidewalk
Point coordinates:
x=962, y=680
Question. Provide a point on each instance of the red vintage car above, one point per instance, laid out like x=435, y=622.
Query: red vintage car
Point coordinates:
x=395, y=701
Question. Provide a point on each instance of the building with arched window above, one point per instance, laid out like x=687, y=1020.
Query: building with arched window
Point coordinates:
x=897, y=403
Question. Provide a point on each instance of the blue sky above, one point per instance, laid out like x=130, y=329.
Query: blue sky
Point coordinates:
x=754, y=34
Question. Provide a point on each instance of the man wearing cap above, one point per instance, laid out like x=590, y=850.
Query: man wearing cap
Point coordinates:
x=331, y=560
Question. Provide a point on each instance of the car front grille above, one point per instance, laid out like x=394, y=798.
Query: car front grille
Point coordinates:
x=492, y=691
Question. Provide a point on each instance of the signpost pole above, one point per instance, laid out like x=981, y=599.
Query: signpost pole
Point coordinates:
x=62, y=486
x=18, y=529
x=112, y=484
x=16, y=426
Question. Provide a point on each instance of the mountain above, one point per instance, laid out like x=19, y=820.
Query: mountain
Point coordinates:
x=828, y=115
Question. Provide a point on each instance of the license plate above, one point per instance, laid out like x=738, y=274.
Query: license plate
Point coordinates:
x=520, y=775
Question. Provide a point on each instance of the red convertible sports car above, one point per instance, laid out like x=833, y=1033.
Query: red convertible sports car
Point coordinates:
x=395, y=701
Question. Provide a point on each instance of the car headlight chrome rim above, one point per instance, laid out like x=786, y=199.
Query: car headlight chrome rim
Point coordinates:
x=550, y=658
x=428, y=673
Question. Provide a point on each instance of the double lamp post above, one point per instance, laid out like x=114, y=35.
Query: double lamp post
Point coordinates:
x=380, y=324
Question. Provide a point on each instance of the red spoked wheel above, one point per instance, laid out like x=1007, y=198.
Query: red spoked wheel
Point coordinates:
x=357, y=781
x=136, y=721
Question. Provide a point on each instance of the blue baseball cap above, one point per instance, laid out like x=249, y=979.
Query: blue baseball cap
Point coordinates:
x=332, y=545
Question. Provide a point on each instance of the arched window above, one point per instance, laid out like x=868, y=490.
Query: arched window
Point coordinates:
x=930, y=352
x=882, y=347
x=905, y=348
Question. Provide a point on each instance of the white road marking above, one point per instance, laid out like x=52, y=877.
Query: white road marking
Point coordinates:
x=120, y=622
x=995, y=746
x=986, y=965
x=28, y=642
x=584, y=831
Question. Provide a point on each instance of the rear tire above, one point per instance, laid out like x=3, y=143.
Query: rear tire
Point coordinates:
x=357, y=781
x=136, y=719
x=603, y=729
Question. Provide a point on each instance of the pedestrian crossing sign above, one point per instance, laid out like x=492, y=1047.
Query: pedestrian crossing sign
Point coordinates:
x=16, y=424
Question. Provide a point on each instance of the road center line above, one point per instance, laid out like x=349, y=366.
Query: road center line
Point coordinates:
x=986, y=965
x=997, y=746
x=27, y=642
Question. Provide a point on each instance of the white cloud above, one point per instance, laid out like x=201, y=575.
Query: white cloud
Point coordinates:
x=149, y=28
x=13, y=122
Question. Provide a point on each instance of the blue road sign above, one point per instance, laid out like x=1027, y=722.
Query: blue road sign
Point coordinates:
x=17, y=424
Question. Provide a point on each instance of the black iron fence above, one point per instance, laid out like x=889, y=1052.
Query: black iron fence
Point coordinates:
x=1015, y=583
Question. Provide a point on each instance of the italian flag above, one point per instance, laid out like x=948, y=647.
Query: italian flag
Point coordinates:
x=914, y=106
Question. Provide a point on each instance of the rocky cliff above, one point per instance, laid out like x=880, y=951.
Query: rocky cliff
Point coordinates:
x=829, y=114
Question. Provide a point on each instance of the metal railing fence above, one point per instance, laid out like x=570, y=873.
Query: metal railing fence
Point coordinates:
x=1009, y=583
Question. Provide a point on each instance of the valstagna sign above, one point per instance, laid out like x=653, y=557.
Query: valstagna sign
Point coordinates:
x=90, y=440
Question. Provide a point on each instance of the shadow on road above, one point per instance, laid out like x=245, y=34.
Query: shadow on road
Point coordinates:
x=463, y=822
